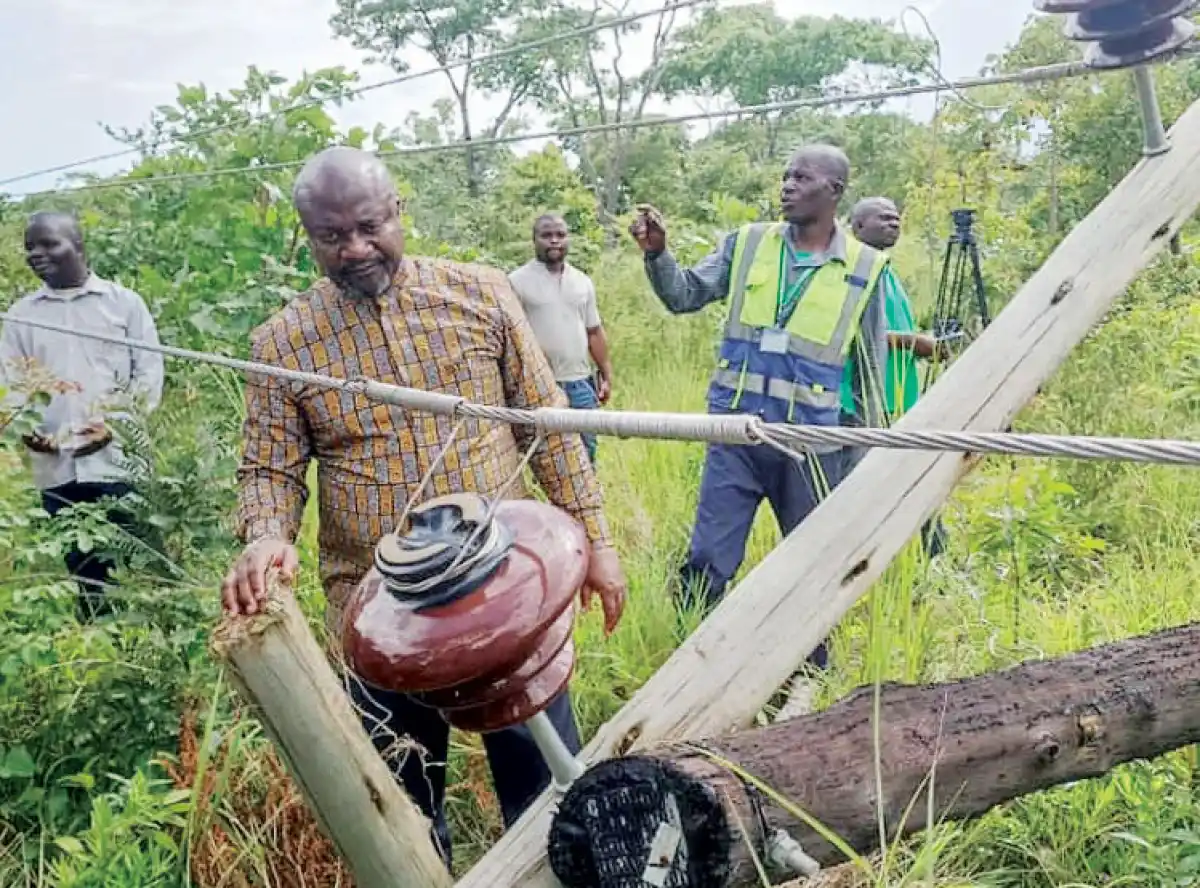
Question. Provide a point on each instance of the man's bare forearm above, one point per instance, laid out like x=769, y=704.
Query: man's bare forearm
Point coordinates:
x=598, y=348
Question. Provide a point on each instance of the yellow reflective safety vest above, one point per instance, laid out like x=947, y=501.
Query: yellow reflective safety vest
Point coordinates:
x=791, y=373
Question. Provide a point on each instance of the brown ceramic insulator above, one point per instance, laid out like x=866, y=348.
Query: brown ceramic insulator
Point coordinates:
x=531, y=696
x=499, y=652
x=505, y=681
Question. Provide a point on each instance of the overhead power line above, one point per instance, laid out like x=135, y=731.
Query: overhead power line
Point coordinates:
x=540, y=43
x=690, y=426
x=1027, y=75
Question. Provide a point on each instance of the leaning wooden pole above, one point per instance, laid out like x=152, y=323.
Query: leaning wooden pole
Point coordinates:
x=751, y=643
x=972, y=744
x=276, y=663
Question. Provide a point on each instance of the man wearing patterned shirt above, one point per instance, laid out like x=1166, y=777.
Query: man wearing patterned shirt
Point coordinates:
x=427, y=324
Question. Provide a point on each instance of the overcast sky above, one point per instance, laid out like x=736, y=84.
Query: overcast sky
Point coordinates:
x=68, y=65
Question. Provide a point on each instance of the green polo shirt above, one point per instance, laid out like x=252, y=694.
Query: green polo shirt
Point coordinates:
x=902, y=382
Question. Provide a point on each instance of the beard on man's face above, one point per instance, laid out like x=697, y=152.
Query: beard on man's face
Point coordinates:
x=364, y=279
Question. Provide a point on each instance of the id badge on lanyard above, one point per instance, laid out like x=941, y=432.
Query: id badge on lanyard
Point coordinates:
x=774, y=341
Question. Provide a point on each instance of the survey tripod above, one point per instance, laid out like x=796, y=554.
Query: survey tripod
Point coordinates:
x=961, y=310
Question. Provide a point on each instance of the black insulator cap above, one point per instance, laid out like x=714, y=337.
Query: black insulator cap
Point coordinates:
x=1125, y=52
x=1057, y=7
x=1124, y=33
x=440, y=532
x=604, y=830
x=1125, y=19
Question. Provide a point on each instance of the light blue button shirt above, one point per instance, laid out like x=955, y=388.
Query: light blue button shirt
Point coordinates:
x=105, y=378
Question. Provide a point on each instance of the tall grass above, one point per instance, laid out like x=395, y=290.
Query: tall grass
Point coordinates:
x=1045, y=557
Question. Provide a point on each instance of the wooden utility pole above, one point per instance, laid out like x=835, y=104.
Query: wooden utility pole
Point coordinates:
x=280, y=669
x=751, y=643
x=966, y=746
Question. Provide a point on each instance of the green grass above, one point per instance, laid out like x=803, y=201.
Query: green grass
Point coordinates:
x=1046, y=557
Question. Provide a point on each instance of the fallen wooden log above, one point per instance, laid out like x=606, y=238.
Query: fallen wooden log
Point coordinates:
x=279, y=668
x=973, y=744
x=750, y=644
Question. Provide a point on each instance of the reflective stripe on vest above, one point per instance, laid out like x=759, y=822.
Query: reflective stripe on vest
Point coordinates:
x=791, y=392
x=831, y=290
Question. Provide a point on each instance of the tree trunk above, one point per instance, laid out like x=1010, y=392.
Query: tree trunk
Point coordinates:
x=470, y=153
x=279, y=668
x=973, y=743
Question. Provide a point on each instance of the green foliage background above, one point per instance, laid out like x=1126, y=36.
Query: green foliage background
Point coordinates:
x=1046, y=557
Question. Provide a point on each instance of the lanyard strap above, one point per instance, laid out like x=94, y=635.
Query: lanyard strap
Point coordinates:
x=787, y=298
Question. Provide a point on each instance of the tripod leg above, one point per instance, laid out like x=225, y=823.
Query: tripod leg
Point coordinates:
x=940, y=308
x=977, y=281
x=958, y=306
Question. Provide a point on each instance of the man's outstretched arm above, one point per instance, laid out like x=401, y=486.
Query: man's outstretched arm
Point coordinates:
x=681, y=290
x=684, y=290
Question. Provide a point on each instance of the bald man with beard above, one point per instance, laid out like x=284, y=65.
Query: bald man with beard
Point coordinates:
x=423, y=323
x=801, y=294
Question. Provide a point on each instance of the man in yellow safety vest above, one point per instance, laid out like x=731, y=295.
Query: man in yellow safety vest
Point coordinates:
x=801, y=293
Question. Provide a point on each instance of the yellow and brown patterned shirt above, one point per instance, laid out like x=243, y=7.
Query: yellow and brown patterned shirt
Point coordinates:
x=443, y=327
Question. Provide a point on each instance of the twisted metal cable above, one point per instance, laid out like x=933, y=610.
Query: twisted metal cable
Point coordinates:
x=416, y=496
x=1161, y=451
x=687, y=426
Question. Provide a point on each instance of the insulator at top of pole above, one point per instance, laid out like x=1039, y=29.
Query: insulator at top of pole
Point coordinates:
x=1124, y=33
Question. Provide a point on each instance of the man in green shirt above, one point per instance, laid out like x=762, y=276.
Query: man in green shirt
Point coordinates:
x=876, y=222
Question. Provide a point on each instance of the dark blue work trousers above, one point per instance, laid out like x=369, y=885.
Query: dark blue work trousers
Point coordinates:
x=414, y=740
x=737, y=478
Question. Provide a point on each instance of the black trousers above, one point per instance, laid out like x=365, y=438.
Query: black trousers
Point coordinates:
x=90, y=570
x=933, y=531
x=519, y=773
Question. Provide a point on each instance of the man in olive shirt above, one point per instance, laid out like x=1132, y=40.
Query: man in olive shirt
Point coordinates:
x=560, y=304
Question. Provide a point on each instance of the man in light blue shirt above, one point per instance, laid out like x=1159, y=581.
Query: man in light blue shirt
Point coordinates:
x=72, y=452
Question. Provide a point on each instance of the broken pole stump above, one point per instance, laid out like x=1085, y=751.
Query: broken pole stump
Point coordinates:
x=277, y=665
x=979, y=742
x=756, y=637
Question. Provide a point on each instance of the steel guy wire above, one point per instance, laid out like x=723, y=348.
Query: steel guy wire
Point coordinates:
x=487, y=58
x=1037, y=74
x=935, y=67
x=734, y=429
